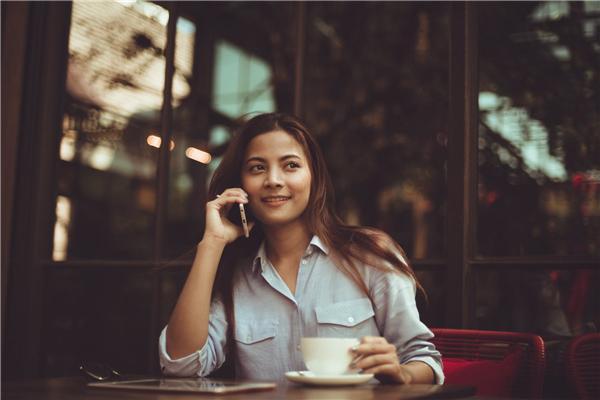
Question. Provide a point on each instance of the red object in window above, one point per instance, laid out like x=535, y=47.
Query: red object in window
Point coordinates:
x=509, y=364
x=582, y=362
x=577, y=179
x=491, y=198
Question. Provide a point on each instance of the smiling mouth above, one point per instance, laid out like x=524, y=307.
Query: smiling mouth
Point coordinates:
x=275, y=199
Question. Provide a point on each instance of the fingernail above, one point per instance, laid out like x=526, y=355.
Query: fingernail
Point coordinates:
x=354, y=348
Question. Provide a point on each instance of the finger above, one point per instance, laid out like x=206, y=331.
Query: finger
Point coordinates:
x=373, y=339
x=228, y=200
x=375, y=360
x=355, y=360
x=233, y=192
x=374, y=348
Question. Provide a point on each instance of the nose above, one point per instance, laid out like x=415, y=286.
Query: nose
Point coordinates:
x=273, y=178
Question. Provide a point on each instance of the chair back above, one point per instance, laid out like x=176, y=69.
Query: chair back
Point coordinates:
x=582, y=361
x=494, y=345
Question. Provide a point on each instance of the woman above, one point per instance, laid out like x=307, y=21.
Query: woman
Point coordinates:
x=301, y=273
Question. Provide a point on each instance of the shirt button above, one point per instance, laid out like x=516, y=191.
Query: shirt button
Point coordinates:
x=304, y=262
x=351, y=319
x=298, y=347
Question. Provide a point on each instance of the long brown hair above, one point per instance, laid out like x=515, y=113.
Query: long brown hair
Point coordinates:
x=348, y=245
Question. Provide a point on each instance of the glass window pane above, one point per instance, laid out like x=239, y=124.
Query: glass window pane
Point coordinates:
x=243, y=62
x=376, y=95
x=242, y=82
x=101, y=316
x=432, y=303
x=108, y=151
x=539, y=148
x=550, y=303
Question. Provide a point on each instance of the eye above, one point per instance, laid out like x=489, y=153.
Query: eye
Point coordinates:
x=292, y=165
x=256, y=168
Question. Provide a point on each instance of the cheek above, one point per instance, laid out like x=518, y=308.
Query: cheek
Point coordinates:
x=301, y=183
x=250, y=185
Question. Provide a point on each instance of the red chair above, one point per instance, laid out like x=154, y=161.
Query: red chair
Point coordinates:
x=582, y=361
x=489, y=359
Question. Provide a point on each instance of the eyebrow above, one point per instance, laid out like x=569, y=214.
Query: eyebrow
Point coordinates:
x=282, y=158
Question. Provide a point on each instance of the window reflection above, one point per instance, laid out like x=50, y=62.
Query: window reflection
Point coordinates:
x=114, y=95
x=551, y=303
x=235, y=69
x=242, y=82
x=539, y=152
x=376, y=91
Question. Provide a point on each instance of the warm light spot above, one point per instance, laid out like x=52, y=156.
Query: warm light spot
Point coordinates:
x=61, y=228
x=67, y=145
x=100, y=157
x=155, y=141
x=198, y=155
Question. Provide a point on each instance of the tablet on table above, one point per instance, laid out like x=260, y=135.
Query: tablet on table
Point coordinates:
x=188, y=385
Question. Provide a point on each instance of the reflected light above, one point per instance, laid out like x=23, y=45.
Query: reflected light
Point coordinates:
x=155, y=141
x=67, y=145
x=198, y=155
x=529, y=135
x=61, y=228
x=101, y=157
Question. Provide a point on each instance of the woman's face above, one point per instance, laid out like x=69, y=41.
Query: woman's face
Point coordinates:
x=276, y=175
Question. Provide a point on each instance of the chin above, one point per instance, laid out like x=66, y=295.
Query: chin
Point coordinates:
x=279, y=221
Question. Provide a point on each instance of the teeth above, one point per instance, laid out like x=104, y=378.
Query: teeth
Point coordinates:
x=276, y=198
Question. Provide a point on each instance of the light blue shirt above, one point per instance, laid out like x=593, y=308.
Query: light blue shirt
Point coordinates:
x=270, y=319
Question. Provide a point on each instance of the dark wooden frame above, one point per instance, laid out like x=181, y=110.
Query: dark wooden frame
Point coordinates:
x=45, y=72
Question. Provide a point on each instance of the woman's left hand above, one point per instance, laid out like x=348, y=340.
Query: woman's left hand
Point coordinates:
x=374, y=355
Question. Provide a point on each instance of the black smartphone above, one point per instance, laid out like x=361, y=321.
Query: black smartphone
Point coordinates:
x=244, y=220
x=240, y=215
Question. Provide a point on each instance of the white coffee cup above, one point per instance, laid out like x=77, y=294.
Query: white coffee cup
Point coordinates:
x=327, y=356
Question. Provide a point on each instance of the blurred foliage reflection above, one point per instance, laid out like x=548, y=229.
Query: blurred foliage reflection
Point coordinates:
x=539, y=142
x=376, y=95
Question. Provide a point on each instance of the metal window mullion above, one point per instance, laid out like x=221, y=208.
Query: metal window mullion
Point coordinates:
x=462, y=157
x=166, y=122
x=162, y=187
x=471, y=168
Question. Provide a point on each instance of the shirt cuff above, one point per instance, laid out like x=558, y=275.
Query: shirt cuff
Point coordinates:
x=189, y=365
x=438, y=372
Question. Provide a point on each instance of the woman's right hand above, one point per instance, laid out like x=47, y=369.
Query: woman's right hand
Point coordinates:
x=218, y=226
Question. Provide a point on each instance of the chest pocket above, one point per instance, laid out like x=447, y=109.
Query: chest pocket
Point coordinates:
x=251, y=332
x=349, y=314
x=255, y=341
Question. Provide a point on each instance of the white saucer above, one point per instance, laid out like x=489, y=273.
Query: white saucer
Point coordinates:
x=310, y=378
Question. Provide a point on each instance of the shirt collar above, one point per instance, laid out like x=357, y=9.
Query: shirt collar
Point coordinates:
x=260, y=260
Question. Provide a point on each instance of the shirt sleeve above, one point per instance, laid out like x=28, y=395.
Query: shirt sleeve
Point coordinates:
x=398, y=320
x=204, y=361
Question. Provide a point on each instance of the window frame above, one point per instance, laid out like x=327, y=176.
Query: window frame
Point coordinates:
x=43, y=101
